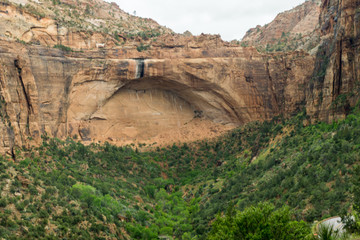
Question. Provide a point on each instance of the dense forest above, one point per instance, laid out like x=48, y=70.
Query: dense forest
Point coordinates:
x=283, y=174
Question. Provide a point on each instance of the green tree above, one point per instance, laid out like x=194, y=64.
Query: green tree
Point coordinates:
x=352, y=221
x=262, y=221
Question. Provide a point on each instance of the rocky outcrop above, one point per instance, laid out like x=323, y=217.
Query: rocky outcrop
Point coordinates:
x=111, y=96
x=334, y=88
x=290, y=30
x=77, y=24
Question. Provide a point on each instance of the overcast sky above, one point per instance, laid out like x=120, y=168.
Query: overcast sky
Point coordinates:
x=229, y=18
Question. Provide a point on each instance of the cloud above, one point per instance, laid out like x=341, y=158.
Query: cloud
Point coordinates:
x=229, y=18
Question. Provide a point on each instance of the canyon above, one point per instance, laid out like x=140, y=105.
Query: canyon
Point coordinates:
x=169, y=89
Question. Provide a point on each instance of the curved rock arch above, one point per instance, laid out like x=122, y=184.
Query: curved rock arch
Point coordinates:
x=99, y=99
x=221, y=90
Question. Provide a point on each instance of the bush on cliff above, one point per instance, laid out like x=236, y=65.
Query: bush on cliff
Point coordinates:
x=63, y=48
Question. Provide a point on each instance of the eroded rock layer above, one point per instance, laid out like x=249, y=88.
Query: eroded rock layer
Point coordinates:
x=177, y=88
x=334, y=87
x=117, y=98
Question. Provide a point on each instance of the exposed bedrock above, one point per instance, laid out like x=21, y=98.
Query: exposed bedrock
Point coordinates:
x=180, y=88
x=45, y=91
x=335, y=87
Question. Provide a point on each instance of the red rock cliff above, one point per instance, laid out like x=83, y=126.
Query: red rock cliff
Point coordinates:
x=334, y=86
x=117, y=95
x=145, y=90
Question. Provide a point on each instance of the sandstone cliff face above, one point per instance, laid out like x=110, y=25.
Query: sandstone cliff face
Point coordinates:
x=132, y=96
x=334, y=87
x=179, y=88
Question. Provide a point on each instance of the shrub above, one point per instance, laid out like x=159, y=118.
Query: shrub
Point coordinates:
x=33, y=190
x=262, y=221
x=63, y=48
x=34, y=11
x=20, y=206
x=327, y=232
x=3, y=202
x=142, y=47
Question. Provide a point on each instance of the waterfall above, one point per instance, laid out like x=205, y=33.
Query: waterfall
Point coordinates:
x=140, y=68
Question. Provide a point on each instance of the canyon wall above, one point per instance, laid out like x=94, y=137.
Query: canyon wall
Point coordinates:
x=334, y=87
x=138, y=95
x=172, y=88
